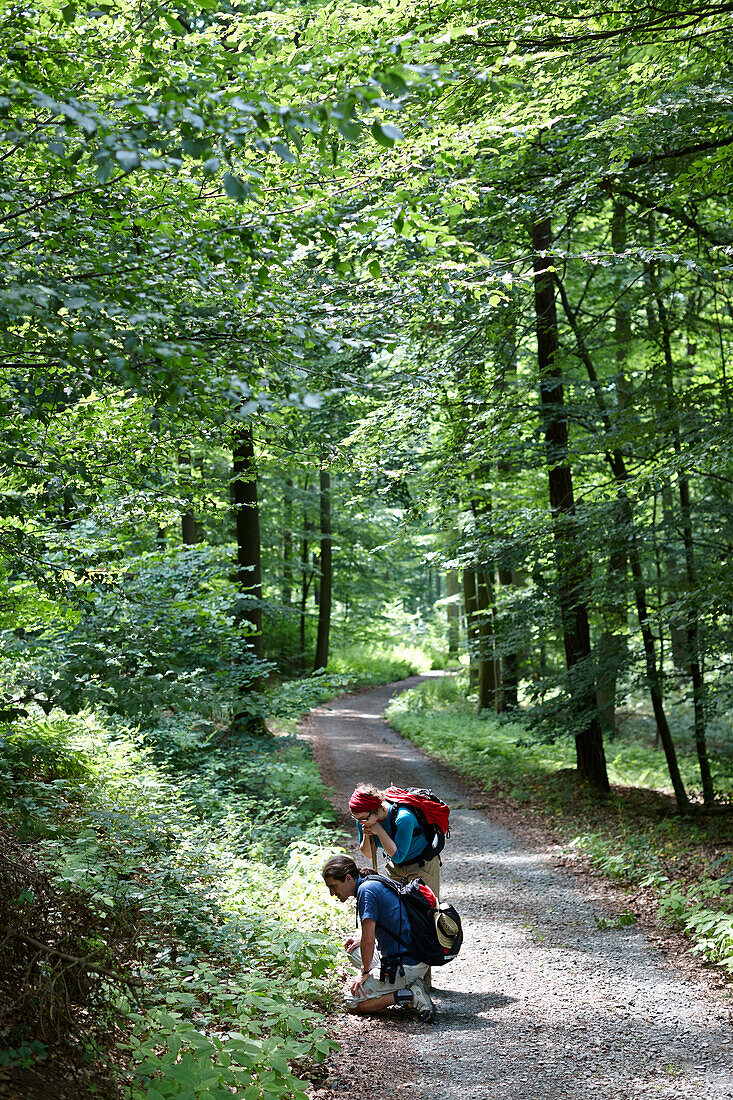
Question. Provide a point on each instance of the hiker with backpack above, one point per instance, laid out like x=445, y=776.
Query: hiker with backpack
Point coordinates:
x=410, y=825
x=384, y=951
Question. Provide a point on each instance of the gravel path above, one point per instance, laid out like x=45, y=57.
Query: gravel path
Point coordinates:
x=550, y=997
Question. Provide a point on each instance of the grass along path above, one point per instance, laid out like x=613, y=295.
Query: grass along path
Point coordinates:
x=684, y=870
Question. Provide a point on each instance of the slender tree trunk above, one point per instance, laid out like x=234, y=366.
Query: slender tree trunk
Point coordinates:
x=188, y=519
x=430, y=598
x=488, y=668
x=611, y=647
x=249, y=566
x=287, y=537
x=692, y=626
x=505, y=353
x=571, y=568
x=652, y=672
x=677, y=634
x=617, y=464
x=324, y=606
x=305, y=577
x=453, y=612
x=470, y=603
x=510, y=661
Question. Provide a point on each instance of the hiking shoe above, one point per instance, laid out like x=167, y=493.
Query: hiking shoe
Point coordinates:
x=422, y=1002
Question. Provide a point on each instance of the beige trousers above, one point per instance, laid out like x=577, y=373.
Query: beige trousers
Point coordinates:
x=429, y=872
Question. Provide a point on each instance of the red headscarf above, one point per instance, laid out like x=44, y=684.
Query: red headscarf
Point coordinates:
x=363, y=803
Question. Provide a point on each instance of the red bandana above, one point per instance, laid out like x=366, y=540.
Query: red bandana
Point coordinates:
x=362, y=803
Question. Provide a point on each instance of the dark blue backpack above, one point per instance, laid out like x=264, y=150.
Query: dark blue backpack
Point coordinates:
x=421, y=907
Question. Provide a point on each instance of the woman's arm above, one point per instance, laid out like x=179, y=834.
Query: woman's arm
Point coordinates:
x=384, y=839
x=366, y=843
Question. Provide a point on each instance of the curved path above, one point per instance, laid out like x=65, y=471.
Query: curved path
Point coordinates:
x=549, y=998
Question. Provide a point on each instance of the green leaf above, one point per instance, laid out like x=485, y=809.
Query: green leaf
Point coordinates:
x=351, y=128
x=235, y=187
x=127, y=158
x=386, y=134
x=283, y=152
x=392, y=132
x=176, y=26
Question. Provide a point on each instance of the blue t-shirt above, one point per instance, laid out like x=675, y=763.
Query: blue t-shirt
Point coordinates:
x=406, y=832
x=375, y=901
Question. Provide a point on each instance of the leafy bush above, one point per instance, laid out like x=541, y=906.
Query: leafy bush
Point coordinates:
x=375, y=664
x=163, y=634
x=209, y=855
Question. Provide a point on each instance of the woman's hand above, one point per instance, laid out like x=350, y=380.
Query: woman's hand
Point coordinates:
x=385, y=839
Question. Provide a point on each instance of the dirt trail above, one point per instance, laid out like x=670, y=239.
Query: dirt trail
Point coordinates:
x=550, y=997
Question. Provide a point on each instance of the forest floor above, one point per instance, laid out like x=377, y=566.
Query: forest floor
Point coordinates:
x=554, y=994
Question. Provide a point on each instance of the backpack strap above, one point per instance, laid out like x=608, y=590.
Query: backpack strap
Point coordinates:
x=403, y=914
x=421, y=827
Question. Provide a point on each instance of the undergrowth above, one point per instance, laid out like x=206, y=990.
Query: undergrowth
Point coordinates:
x=636, y=837
x=167, y=886
x=375, y=664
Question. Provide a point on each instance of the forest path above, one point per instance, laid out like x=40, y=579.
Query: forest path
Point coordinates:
x=550, y=997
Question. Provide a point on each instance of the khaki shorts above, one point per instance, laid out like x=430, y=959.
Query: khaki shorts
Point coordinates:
x=429, y=872
x=372, y=985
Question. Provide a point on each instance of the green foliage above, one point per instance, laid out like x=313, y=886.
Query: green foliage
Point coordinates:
x=702, y=909
x=438, y=717
x=377, y=664
x=162, y=634
x=215, y=851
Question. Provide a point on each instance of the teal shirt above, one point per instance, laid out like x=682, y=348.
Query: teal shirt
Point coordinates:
x=406, y=833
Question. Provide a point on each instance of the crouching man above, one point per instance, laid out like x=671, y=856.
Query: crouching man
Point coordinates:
x=390, y=975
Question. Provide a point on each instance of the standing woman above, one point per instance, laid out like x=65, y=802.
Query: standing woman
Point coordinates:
x=398, y=832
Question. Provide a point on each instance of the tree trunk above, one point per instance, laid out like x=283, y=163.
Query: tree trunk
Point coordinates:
x=188, y=519
x=324, y=605
x=453, y=612
x=471, y=605
x=652, y=672
x=611, y=647
x=571, y=568
x=692, y=625
x=249, y=565
x=677, y=633
x=287, y=537
x=617, y=464
x=488, y=668
x=305, y=577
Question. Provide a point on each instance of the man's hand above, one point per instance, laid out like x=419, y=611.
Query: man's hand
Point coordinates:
x=351, y=942
x=356, y=985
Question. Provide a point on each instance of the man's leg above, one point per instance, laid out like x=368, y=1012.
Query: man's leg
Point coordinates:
x=407, y=989
x=372, y=1004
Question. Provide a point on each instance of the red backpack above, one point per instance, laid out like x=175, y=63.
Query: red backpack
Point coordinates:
x=431, y=812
